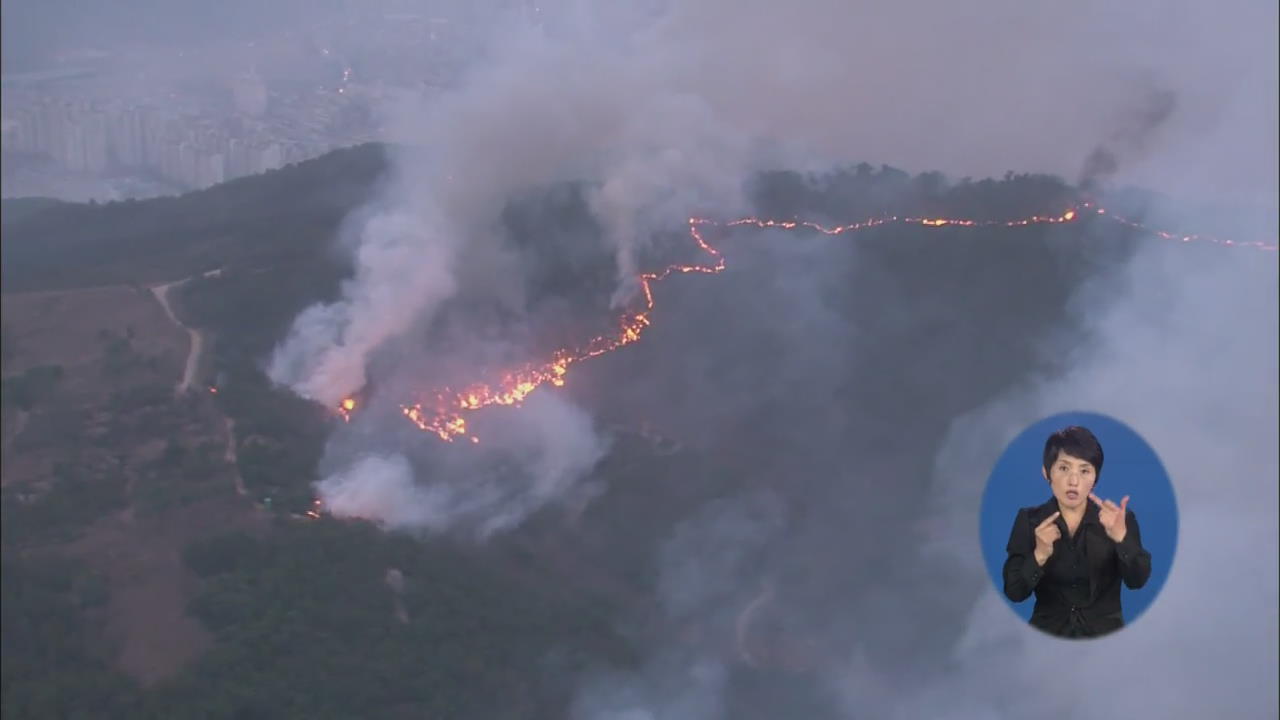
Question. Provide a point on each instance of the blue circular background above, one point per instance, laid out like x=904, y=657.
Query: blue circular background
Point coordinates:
x=1129, y=467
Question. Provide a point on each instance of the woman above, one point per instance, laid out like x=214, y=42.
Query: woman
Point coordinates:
x=1074, y=550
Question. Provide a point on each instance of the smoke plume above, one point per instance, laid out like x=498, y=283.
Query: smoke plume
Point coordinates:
x=402, y=273
x=1204, y=323
x=1131, y=137
x=879, y=599
x=529, y=460
x=669, y=109
x=876, y=437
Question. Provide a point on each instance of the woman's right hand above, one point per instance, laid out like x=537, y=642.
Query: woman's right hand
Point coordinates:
x=1047, y=533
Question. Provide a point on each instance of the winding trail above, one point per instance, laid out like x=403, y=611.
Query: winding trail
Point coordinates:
x=193, y=363
x=197, y=338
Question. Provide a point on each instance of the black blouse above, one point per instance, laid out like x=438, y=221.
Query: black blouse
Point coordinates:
x=1078, y=589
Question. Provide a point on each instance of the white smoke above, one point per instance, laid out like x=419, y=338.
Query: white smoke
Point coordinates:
x=403, y=271
x=713, y=554
x=382, y=488
x=554, y=446
x=1187, y=355
x=1188, y=359
x=667, y=109
x=538, y=113
x=670, y=117
x=705, y=566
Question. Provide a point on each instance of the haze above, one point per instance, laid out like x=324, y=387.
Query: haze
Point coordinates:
x=863, y=375
x=971, y=89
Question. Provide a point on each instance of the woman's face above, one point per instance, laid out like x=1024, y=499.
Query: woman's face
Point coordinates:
x=1071, y=479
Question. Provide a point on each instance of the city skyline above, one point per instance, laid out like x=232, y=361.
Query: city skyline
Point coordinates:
x=111, y=121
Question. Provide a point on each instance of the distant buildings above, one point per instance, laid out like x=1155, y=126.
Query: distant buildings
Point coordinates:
x=191, y=148
x=311, y=88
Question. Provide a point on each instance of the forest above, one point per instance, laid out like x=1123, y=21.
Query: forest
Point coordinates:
x=338, y=619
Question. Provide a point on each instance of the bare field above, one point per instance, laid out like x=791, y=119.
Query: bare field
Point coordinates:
x=63, y=327
x=146, y=623
x=112, y=420
x=71, y=330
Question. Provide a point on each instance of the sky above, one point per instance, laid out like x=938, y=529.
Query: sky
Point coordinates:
x=972, y=89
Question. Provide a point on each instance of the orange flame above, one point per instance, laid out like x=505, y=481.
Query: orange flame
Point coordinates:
x=442, y=414
x=346, y=408
x=1257, y=244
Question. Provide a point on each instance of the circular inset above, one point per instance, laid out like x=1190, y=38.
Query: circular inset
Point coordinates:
x=1051, y=529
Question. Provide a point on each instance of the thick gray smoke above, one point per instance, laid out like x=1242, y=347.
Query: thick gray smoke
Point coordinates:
x=538, y=458
x=669, y=117
x=1186, y=354
x=1131, y=137
x=705, y=564
x=536, y=115
x=1188, y=358
x=403, y=271
x=670, y=113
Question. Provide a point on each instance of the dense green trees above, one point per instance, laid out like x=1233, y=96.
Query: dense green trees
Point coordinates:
x=270, y=217
x=306, y=624
x=50, y=667
x=31, y=386
x=306, y=628
x=863, y=192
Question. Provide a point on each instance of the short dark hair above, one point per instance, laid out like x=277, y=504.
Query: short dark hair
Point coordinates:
x=1075, y=441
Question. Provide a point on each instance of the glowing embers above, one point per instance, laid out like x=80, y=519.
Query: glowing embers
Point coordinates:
x=442, y=413
x=346, y=408
x=1065, y=217
x=1256, y=244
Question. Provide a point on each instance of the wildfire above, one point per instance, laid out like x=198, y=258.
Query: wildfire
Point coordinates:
x=346, y=408
x=442, y=413
x=1257, y=244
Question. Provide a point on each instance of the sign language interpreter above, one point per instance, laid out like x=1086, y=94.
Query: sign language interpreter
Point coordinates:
x=1074, y=551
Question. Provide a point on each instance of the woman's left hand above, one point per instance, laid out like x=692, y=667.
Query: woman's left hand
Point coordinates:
x=1112, y=516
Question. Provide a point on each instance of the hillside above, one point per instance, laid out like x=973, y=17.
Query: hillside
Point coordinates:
x=274, y=217
x=13, y=210
x=156, y=558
